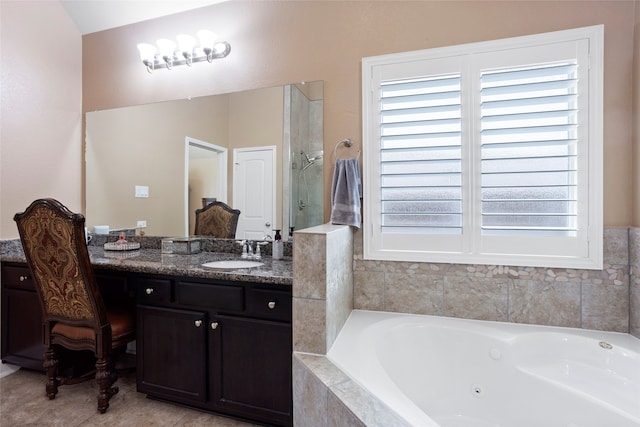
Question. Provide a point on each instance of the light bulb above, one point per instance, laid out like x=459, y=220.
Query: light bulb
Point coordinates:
x=207, y=40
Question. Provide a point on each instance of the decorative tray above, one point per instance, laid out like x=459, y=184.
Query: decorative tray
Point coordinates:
x=118, y=246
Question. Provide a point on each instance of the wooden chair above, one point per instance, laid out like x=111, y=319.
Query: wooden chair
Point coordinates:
x=217, y=219
x=74, y=313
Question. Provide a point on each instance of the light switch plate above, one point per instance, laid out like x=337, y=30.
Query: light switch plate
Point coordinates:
x=142, y=191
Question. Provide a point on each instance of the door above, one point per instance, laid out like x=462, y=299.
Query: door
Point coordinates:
x=251, y=368
x=254, y=182
x=171, y=354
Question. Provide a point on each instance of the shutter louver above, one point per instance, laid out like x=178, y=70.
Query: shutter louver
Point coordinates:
x=420, y=158
x=529, y=149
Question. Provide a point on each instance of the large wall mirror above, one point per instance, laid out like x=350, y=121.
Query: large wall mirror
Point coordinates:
x=177, y=151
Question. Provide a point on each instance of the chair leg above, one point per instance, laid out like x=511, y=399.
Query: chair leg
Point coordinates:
x=106, y=375
x=51, y=367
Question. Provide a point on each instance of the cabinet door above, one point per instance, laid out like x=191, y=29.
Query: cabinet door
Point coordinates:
x=251, y=368
x=171, y=354
x=22, y=328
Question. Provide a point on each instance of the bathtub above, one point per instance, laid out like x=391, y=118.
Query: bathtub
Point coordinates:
x=438, y=371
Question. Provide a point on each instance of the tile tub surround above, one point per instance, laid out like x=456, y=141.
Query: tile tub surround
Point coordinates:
x=322, y=294
x=326, y=396
x=606, y=299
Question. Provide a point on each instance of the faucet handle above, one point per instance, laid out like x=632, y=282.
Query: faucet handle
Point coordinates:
x=244, y=249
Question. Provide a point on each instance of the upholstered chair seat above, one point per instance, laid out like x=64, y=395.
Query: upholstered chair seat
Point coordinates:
x=74, y=312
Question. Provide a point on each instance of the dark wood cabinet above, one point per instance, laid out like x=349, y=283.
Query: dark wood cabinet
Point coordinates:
x=251, y=368
x=217, y=345
x=22, y=343
x=171, y=362
x=21, y=318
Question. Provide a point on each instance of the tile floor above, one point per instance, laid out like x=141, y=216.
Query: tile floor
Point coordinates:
x=23, y=402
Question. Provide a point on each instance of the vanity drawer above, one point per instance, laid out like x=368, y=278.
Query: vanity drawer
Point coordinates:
x=269, y=304
x=17, y=277
x=150, y=290
x=210, y=296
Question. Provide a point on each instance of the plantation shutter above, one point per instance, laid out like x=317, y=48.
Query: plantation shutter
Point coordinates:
x=487, y=153
x=529, y=120
x=420, y=158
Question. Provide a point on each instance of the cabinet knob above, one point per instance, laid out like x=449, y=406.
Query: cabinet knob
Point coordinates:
x=272, y=305
x=214, y=325
x=198, y=323
x=149, y=291
x=23, y=278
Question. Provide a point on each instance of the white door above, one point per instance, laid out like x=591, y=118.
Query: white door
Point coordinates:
x=254, y=181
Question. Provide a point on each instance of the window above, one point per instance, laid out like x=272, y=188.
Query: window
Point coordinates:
x=487, y=153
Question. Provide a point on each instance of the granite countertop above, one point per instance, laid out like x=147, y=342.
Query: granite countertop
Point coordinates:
x=153, y=261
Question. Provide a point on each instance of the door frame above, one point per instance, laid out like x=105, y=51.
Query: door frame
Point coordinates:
x=222, y=173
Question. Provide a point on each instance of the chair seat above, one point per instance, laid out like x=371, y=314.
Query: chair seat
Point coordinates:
x=121, y=318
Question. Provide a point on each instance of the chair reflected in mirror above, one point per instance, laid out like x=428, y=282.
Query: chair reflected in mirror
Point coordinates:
x=217, y=219
x=76, y=320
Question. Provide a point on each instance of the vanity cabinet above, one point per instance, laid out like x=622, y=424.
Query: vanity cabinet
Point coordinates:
x=21, y=318
x=22, y=322
x=171, y=357
x=216, y=345
x=220, y=346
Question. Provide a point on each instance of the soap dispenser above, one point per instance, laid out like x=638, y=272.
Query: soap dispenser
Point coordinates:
x=278, y=248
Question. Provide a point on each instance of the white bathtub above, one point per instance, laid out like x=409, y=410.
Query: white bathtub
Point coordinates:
x=438, y=371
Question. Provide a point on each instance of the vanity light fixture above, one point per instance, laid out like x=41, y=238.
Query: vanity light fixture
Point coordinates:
x=167, y=53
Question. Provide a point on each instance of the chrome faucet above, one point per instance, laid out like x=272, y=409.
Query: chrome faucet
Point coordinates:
x=247, y=249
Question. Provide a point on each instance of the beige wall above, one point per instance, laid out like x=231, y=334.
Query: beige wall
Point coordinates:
x=281, y=42
x=41, y=101
x=274, y=43
x=145, y=145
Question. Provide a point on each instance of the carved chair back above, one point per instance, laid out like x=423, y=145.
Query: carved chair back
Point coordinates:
x=53, y=239
x=217, y=219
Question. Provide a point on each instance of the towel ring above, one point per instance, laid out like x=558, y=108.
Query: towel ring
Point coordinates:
x=347, y=143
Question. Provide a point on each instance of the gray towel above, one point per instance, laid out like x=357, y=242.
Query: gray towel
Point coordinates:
x=346, y=191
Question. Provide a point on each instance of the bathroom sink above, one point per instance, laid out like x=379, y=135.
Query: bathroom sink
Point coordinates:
x=232, y=264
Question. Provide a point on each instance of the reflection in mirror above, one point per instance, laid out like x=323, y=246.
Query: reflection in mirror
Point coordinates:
x=206, y=178
x=145, y=146
x=305, y=113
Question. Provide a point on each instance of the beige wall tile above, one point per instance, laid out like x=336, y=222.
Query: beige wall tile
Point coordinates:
x=616, y=245
x=605, y=307
x=368, y=290
x=634, y=247
x=365, y=406
x=414, y=293
x=338, y=415
x=634, y=303
x=309, y=397
x=309, y=263
x=544, y=303
x=309, y=325
x=475, y=298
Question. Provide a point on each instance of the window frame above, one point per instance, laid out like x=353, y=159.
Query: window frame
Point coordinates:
x=584, y=251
